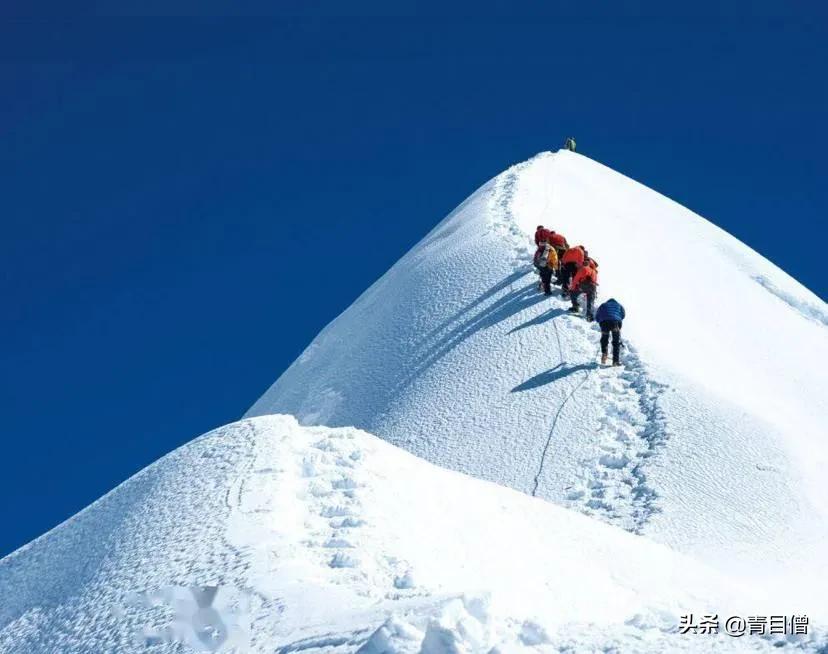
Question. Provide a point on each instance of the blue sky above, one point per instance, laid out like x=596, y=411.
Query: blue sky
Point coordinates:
x=170, y=185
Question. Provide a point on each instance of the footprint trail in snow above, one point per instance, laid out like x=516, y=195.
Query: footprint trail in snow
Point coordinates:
x=627, y=426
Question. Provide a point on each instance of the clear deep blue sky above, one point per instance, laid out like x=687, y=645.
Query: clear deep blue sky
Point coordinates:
x=166, y=184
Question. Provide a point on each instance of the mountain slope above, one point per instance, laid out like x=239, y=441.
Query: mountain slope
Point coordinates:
x=273, y=537
x=710, y=439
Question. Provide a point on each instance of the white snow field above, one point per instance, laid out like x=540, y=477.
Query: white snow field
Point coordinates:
x=333, y=540
x=688, y=481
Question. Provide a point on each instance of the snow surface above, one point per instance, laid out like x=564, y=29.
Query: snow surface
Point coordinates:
x=690, y=480
x=711, y=439
x=334, y=540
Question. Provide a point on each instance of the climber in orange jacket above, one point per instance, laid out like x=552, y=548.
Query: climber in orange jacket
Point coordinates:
x=572, y=259
x=586, y=282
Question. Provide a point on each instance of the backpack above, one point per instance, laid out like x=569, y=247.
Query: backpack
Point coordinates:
x=541, y=257
x=552, y=258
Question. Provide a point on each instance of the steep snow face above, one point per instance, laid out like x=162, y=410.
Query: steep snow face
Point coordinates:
x=266, y=536
x=710, y=439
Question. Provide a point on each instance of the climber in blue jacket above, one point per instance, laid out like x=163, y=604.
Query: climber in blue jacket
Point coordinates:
x=610, y=315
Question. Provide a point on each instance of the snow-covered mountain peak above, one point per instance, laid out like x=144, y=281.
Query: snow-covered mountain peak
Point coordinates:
x=718, y=412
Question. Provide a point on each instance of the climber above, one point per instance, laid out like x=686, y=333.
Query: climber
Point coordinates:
x=586, y=282
x=558, y=241
x=572, y=259
x=610, y=316
x=546, y=262
x=541, y=235
x=570, y=144
x=536, y=259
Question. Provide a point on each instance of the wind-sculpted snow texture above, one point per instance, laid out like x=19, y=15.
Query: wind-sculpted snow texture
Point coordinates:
x=710, y=439
x=333, y=540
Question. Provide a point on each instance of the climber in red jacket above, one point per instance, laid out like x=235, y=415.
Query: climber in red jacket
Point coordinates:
x=558, y=241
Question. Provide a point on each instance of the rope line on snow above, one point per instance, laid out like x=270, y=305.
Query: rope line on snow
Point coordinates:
x=552, y=431
x=557, y=413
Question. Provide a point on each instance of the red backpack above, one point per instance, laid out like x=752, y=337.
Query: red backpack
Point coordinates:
x=557, y=240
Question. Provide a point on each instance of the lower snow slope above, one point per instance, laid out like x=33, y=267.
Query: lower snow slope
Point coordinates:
x=278, y=538
x=711, y=439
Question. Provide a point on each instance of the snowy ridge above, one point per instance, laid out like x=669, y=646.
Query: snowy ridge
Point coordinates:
x=333, y=540
x=807, y=308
